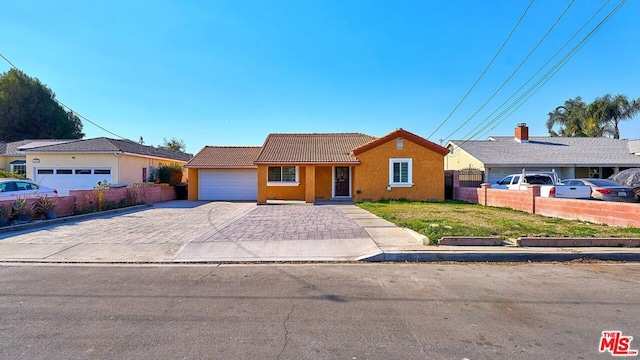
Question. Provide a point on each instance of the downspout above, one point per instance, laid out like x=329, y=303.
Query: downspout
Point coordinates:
x=118, y=157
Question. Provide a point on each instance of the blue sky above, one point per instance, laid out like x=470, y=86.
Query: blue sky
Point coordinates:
x=230, y=72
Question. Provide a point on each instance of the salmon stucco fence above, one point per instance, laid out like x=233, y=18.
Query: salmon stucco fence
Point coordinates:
x=602, y=212
x=84, y=199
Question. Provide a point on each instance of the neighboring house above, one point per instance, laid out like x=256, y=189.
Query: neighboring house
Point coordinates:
x=312, y=167
x=81, y=164
x=570, y=157
x=13, y=157
x=634, y=147
x=224, y=173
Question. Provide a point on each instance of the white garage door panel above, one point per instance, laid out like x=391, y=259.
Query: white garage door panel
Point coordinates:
x=238, y=184
x=65, y=182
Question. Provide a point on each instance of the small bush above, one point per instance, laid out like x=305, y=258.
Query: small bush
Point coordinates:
x=171, y=174
x=9, y=174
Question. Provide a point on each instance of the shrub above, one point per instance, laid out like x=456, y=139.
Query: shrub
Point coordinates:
x=171, y=174
x=5, y=211
x=43, y=205
x=9, y=174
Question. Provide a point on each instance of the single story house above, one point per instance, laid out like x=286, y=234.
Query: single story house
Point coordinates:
x=224, y=173
x=570, y=157
x=81, y=164
x=13, y=157
x=311, y=167
x=634, y=146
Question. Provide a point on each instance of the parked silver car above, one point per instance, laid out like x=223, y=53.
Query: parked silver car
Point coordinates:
x=607, y=190
x=11, y=189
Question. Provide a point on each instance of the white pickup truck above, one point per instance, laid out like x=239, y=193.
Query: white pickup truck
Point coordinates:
x=550, y=185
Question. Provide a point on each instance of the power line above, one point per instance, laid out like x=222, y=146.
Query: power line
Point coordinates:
x=69, y=109
x=514, y=71
x=485, y=69
x=567, y=57
x=469, y=136
x=548, y=75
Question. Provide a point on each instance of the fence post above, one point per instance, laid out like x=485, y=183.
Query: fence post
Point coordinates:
x=484, y=187
x=534, y=192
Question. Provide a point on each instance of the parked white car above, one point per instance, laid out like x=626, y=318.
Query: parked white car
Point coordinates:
x=550, y=185
x=11, y=189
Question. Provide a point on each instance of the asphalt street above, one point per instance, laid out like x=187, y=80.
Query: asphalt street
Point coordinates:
x=316, y=311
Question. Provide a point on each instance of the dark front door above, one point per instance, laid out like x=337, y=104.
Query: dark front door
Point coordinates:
x=342, y=181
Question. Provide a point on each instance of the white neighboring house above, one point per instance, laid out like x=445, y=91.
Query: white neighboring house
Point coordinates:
x=80, y=164
x=570, y=157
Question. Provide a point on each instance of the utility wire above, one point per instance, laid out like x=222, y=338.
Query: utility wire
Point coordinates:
x=514, y=71
x=70, y=109
x=567, y=57
x=473, y=131
x=485, y=70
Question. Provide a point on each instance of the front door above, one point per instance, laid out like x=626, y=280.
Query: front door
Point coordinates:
x=341, y=181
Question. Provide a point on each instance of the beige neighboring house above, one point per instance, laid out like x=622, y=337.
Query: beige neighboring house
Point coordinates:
x=570, y=157
x=13, y=155
x=81, y=164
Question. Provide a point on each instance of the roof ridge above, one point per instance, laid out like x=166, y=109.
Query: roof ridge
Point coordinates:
x=329, y=133
x=233, y=146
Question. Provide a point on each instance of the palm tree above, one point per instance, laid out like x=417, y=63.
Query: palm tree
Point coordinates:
x=570, y=117
x=612, y=110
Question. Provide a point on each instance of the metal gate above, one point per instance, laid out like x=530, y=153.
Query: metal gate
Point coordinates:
x=448, y=184
x=471, y=177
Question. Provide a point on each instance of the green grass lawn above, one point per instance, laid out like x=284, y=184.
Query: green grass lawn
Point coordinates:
x=451, y=218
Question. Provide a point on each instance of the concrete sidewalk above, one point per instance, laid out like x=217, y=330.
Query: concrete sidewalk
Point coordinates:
x=227, y=232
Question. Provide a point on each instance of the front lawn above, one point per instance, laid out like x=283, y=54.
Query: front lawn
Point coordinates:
x=452, y=218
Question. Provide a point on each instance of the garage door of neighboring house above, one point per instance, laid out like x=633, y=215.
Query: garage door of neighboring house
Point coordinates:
x=65, y=179
x=228, y=184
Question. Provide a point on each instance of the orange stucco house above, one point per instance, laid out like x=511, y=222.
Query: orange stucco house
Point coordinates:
x=313, y=167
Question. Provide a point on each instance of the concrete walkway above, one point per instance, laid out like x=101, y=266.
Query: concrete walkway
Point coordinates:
x=200, y=232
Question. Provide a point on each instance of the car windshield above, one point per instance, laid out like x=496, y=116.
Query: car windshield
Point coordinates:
x=603, y=182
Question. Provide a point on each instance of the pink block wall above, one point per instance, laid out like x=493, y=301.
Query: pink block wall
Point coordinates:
x=79, y=199
x=602, y=212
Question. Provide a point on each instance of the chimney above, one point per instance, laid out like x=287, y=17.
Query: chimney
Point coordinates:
x=522, y=133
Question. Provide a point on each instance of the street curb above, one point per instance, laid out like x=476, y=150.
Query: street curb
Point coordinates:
x=42, y=223
x=434, y=256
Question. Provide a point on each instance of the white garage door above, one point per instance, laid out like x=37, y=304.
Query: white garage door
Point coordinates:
x=228, y=184
x=65, y=179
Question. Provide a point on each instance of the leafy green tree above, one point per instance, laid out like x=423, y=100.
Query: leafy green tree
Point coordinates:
x=600, y=118
x=28, y=110
x=173, y=144
x=611, y=110
x=569, y=118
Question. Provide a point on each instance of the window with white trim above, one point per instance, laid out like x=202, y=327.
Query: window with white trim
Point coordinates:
x=401, y=172
x=282, y=174
x=19, y=169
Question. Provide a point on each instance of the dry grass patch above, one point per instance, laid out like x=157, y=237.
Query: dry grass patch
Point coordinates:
x=436, y=220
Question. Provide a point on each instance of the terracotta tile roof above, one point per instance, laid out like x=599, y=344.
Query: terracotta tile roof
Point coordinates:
x=225, y=157
x=311, y=148
x=405, y=135
x=102, y=145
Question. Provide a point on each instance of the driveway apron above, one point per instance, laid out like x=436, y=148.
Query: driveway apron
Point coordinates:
x=284, y=233
x=187, y=231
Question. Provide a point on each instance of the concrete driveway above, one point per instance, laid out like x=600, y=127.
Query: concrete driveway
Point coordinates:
x=186, y=231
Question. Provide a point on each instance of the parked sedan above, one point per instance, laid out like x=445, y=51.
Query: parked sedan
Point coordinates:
x=11, y=189
x=607, y=190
